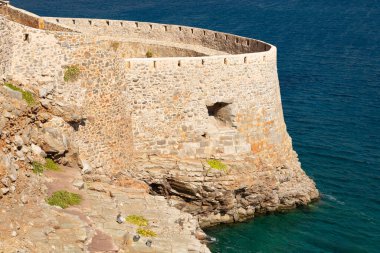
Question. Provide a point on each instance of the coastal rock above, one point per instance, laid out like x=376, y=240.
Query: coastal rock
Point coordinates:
x=223, y=197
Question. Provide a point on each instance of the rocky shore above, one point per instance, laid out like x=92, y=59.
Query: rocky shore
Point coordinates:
x=241, y=191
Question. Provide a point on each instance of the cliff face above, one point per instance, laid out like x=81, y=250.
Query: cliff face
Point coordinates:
x=205, y=129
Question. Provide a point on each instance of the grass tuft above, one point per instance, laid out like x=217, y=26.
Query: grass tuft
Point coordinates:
x=64, y=199
x=137, y=220
x=216, y=164
x=146, y=232
x=26, y=95
x=51, y=165
x=71, y=73
x=149, y=54
x=38, y=168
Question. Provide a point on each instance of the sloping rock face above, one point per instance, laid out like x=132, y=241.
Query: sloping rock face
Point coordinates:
x=242, y=191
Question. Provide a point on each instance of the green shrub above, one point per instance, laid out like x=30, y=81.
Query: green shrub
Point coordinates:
x=216, y=164
x=64, y=199
x=137, y=220
x=38, y=168
x=71, y=73
x=26, y=95
x=146, y=232
x=51, y=165
x=149, y=54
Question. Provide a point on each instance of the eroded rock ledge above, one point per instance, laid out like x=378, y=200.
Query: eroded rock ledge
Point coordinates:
x=243, y=190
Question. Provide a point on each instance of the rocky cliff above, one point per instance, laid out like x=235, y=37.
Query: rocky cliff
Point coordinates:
x=171, y=128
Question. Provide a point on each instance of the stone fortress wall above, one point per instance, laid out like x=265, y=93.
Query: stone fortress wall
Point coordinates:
x=204, y=94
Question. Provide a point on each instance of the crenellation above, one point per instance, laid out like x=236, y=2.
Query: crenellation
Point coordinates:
x=142, y=106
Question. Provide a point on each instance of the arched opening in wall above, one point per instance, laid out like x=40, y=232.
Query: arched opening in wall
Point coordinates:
x=222, y=112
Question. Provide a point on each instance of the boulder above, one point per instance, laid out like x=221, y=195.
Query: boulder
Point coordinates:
x=70, y=114
x=51, y=140
x=38, y=151
x=4, y=190
x=78, y=183
x=86, y=167
x=44, y=91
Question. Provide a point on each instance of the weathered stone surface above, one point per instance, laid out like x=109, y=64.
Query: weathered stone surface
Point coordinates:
x=13, y=93
x=86, y=167
x=37, y=150
x=18, y=141
x=78, y=183
x=51, y=140
x=155, y=120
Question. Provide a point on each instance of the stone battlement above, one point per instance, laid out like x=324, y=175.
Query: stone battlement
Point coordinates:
x=228, y=43
x=202, y=95
x=214, y=67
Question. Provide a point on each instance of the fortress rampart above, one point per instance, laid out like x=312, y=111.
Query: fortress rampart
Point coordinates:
x=202, y=95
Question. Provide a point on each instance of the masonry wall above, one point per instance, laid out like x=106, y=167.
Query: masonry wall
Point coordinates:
x=228, y=43
x=28, y=19
x=5, y=48
x=170, y=99
x=158, y=106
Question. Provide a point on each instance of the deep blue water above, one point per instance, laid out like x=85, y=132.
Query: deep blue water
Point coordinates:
x=329, y=69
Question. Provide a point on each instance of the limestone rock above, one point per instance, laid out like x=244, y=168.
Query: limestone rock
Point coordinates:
x=51, y=140
x=5, y=181
x=44, y=91
x=38, y=151
x=78, y=183
x=4, y=190
x=18, y=141
x=24, y=199
x=86, y=167
x=68, y=113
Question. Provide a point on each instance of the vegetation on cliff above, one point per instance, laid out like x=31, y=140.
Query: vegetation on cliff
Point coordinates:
x=71, y=73
x=142, y=223
x=146, y=232
x=137, y=220
x=26, y=95
x=38, y=168
x=149, y=54
x=64, y=199
x=216, y=164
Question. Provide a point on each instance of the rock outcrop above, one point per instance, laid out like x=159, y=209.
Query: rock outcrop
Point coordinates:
x=241, y=191
x=29, y=135
x=196, y=131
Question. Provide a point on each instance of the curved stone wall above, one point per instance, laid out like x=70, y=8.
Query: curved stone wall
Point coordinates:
x=228, y=43
x=160, y=119
x=164, y=100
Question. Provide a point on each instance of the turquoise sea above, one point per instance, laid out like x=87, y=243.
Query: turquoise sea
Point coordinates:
x=329, y=70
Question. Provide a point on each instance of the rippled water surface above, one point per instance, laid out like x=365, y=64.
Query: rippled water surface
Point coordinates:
x=329, y=69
